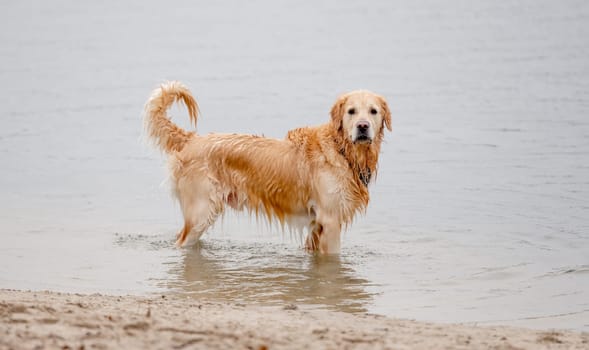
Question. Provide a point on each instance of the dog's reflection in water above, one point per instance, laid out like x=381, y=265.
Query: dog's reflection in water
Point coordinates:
x=266, y=275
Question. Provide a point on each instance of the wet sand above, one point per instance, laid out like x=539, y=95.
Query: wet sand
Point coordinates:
x=31, y=320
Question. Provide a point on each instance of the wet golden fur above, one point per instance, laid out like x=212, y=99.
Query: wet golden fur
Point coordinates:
x=316, y=178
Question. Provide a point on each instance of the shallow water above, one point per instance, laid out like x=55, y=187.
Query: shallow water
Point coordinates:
x=480, y=211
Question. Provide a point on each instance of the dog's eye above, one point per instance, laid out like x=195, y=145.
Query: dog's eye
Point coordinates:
x=373, y=111
x=352, y=111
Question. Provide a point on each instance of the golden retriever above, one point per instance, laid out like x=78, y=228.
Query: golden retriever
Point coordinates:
x=317, y=178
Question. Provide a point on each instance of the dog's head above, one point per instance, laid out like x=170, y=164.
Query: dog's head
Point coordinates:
x=361, y=116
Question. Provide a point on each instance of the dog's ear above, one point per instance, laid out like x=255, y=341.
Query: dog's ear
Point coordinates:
x=337, y=111
x=386, y=113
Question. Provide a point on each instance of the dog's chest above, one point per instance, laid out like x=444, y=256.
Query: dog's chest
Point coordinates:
x=338, y=195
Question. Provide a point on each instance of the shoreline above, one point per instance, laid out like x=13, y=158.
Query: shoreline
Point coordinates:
x=33, y=319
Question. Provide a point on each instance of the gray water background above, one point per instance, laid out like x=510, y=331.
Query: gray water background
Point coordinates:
x=480, y=209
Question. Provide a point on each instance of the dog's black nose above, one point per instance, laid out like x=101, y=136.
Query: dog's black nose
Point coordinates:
x=362, y=126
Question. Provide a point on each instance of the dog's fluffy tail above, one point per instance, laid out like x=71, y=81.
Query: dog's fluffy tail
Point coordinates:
x=164, y=133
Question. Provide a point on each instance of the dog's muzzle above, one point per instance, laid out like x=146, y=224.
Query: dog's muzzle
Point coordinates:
x=363, y=133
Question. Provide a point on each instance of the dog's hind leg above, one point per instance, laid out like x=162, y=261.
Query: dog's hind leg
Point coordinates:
x=200, y=207
x=191, y=233
x=183, y=234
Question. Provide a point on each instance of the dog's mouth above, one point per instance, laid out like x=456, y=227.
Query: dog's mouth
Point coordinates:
x=362, y=139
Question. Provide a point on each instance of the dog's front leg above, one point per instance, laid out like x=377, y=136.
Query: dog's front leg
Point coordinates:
x=324, y=238
x=312, y=242
x=329, y=238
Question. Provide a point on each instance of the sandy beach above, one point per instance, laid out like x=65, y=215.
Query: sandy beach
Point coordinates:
x=33, y=320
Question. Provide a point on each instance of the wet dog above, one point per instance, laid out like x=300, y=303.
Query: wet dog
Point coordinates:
x=317, y=178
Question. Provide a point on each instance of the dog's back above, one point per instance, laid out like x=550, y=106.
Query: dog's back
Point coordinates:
x=266, y=176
